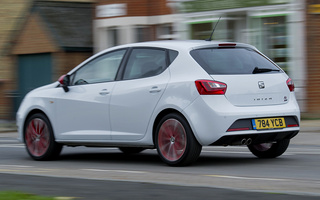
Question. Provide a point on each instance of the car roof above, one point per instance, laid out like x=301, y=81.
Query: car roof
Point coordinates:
x=181, y=45
x=178, y=45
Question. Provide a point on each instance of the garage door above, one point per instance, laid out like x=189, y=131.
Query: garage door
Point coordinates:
x=34, y=70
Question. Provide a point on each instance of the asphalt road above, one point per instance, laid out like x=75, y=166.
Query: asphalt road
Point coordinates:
x=220, y=173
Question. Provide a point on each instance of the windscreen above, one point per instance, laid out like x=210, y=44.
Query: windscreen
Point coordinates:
x=233, y=61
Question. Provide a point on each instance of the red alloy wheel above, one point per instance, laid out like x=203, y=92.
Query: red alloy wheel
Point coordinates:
x=37, y=137
x=172, y=140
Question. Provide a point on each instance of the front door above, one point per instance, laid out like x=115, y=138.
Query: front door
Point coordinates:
x=83, y=111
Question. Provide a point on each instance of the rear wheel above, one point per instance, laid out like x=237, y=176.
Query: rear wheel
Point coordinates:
x=175, y=141
x=39, y=138
x=269, y=150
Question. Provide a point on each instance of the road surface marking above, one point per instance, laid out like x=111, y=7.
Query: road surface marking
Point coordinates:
x=247, y=178
x=4, y=141
x=21, y=166
x=118, y=171
x=12, y=146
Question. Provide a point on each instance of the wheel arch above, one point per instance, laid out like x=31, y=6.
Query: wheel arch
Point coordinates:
x=32, y=112
x=161, y=115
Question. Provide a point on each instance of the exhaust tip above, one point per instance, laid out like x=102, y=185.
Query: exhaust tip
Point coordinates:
x=244, y=141
x=249, y=141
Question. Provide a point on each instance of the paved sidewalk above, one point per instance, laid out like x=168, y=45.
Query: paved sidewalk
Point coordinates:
x=7, y=126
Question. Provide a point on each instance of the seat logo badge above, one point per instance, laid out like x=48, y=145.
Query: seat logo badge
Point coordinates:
x=261, y=84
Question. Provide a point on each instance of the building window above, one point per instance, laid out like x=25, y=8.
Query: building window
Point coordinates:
x=143, y=33
x=275, y=40
x=201, y=31
x=113, y=37
x=164, y=32
x=226, y=29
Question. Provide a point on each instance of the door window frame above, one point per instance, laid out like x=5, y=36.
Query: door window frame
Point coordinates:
x=73, y=74
x=168, y=61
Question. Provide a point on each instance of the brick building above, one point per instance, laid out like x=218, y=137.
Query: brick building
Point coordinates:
x=12, y=13
x=313, y=58
x=55, y=37
x=125, y=21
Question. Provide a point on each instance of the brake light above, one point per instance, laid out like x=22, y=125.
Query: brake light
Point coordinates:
x=227, y=45
x=290, y=84
x=208, y=87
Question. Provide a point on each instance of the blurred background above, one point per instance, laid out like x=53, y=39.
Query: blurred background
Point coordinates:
x=42, y=39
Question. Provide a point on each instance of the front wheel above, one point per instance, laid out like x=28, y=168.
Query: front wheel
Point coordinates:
x=175, y=141
x=269, y=150
x=39, y=138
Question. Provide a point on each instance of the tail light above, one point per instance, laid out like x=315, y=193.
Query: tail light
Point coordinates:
x=290, y=84
x=208, y=87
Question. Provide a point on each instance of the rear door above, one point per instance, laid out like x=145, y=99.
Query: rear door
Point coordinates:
x=134, y=98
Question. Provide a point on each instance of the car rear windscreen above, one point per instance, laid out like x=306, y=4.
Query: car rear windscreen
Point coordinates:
x=233, y=61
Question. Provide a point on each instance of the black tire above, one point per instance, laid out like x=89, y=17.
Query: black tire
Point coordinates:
x=131, y=150
x=175, y=142
x=39, y=139
x=269, y=150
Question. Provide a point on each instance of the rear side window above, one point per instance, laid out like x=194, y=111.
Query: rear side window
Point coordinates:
x=233, y=61
x=172, y=55
x=145, y=62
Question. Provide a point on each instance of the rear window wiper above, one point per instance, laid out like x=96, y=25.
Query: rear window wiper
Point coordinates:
x=263, y=70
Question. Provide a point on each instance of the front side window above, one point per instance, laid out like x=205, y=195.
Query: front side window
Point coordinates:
x=233, y=61
x=102, y=69
x=145, y=62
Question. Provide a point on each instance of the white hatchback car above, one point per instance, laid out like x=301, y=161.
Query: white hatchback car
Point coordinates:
x=176, y=96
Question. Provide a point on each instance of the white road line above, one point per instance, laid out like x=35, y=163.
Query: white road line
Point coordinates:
x=18, y=166
x=12, y=146
x=118, y=171
x=287, y=153
x=232, y=152
x=301, y=152
x=6, y=141
x=247, y=178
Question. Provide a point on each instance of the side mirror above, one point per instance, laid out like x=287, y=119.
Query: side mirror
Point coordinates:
x=64, y=80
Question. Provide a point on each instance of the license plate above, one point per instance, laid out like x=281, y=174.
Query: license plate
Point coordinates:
x=268, y=123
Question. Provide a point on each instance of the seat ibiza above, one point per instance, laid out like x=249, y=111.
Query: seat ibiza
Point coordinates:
x=174, y=96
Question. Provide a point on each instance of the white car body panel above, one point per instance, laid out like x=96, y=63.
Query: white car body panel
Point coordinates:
x=38, y=99
x=132, y=104
x=274, y=93
x=80, y=104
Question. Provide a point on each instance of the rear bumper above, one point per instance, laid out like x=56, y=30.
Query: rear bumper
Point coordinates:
x=210, y=117
x=254, y=138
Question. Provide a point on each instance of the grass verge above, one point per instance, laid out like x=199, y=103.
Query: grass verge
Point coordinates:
x=14, y=195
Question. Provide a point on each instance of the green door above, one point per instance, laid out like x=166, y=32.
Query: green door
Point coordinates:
x=34, y=70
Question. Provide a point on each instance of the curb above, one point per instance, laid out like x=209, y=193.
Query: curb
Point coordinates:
x=8, y=126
